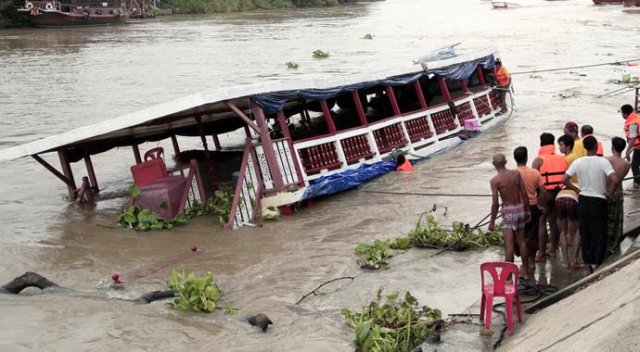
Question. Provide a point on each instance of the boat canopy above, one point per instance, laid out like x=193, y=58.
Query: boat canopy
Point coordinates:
x=210, y=113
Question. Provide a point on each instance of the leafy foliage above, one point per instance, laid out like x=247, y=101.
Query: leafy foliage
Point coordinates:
x=194, y=294
x=428, y=233
x=368, y=36
x=292, y=65
x=373, y=256
x=396, y=325
x=319, y=54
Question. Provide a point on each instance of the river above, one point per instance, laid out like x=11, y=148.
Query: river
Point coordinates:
x=56, y=80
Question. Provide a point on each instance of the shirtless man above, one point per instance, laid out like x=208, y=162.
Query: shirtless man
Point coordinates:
x=515, y=210
x=615, y=208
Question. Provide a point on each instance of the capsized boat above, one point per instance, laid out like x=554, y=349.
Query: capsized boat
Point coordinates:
x=303, y=139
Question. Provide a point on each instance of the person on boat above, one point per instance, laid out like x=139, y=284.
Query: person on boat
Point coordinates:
x=597, y=179
x=508, y=185
x=571, y=129
x=586, y=131
x=567, y=209
x=551, y=167
x=534, y=185
x=632, y=131
x=404, y=165
x=615, y=206
x=503, y=79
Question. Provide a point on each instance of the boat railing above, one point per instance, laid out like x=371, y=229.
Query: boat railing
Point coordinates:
x=325, y=155
x=194, y=189
x=248, y=192
x=286, y=160
x=50, y=5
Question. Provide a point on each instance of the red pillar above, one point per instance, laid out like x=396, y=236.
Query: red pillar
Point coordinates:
x=444, y=89
x=176, y=147
x=392, y=99
x=480, y=75
x=361, y=115
x=267, y=145
x=465, y=86
x=216, y=141
x=136, y=153
x=420, y=94
x=92, y=174
x=327, y=116
x=282, y=121
x=68, y=173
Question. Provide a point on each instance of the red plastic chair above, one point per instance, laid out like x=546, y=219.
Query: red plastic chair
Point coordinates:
x=148, y=172
x=155, y=153
x=505, y=284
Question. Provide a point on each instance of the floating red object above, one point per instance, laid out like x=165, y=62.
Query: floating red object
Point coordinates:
x=194, y=248
x=116, y=278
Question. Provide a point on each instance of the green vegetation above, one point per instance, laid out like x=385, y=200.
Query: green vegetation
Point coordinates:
x=427, y=234
x=292, y=65
x=9, y=16
x=396, y=325
x=144, y=219
x=194, y=294
x=368, y=36
x=213, y=6
x=319, y=54
x=373, y=256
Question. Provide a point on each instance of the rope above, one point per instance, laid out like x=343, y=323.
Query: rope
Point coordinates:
x=430, y=194
x=575, y=67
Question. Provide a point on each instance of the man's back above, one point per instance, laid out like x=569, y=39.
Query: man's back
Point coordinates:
x=592, y=172
x=508, y=184
x=620, y=166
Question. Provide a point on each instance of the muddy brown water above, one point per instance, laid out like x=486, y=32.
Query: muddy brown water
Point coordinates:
x=54, y=80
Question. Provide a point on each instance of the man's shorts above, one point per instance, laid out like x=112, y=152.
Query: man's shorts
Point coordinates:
x=513, y=216
x=531, y=228
x=567, y=207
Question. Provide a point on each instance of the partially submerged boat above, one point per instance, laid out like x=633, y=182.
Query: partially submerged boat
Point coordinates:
x=303, y=139
x=84, y=13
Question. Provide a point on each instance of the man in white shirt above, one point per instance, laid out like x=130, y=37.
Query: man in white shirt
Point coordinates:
x=594, y=174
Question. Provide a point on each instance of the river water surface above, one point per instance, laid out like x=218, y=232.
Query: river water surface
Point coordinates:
x=55, y=80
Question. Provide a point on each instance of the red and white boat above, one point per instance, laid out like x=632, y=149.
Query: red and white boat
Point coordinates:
x=303, y=139
x=54, y=13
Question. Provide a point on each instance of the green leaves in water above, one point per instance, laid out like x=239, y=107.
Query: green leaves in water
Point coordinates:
x=368, y=36
x=427, y=234
x=373, y=256
x=319, y=54
x=395, y=325
x=292, y=65
x=194, y=293
x=143, y=219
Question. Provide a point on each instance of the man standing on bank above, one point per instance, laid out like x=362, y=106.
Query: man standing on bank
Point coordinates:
x=631, y=129
x=594, y=174
x=509, y=186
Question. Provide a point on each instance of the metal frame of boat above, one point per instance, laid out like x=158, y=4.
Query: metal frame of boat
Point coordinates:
x=55, y=13
x=282, y=171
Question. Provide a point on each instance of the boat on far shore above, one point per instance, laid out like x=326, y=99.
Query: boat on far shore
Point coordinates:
x=79, y=13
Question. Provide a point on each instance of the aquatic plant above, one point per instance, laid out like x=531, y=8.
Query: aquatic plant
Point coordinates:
x=395, y=325
x=368, y=36
x=292, y=65
x=319, y=54
x=373, y=256
x=429, y=234
x=194, y=293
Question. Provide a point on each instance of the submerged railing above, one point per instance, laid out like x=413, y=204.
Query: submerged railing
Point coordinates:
x=248, y=192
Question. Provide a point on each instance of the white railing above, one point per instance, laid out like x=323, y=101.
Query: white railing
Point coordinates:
x=248, y=192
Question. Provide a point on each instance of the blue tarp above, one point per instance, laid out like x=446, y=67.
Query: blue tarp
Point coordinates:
x=347, y=179
x=273, y=102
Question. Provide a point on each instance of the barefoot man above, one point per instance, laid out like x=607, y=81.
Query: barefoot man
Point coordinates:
x=615, y=207
x=515, y=210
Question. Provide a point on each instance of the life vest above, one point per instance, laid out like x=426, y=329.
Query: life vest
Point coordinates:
x=502, y=76
x=632, y=119
x=600, y=149
x=553, y=167
x=405, y=167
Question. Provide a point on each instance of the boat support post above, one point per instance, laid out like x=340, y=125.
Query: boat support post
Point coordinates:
x=242, y=116
x=394, y=102
x=444, y=89
x=68, y=181
x=359, y=108
x=480, y=75
x=93, y=181
x=136, y=153
x=328, y=119
x=267, y=146
x=176, y=147
x=207, y=153
x=216, y=141
x=282, y=120
x=420, y=94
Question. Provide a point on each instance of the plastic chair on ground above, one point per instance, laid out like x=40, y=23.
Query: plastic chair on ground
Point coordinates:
x=505, y=284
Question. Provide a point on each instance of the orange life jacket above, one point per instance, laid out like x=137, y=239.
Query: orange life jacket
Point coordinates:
x=632, y=119
x=553, y=167
x=405, y=167
x=502, y=76
x=600, y=150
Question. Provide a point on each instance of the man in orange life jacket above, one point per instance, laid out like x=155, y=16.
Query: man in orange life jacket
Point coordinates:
x=552, y=168
x=587, y=131
x=404, y=165
x=503, y=78
x=631, y=129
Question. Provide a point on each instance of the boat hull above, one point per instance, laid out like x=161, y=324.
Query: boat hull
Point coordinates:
x=607, y=2
x=66, y=19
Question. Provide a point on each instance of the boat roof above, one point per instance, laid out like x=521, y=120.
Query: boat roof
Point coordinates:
x=178, y=116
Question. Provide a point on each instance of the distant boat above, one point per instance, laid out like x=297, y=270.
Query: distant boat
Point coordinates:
x=608, y=2
x=504, y=4
x=87, y=13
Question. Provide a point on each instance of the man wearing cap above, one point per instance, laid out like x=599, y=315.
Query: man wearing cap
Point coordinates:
x=631, y=127
x=571, y=129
